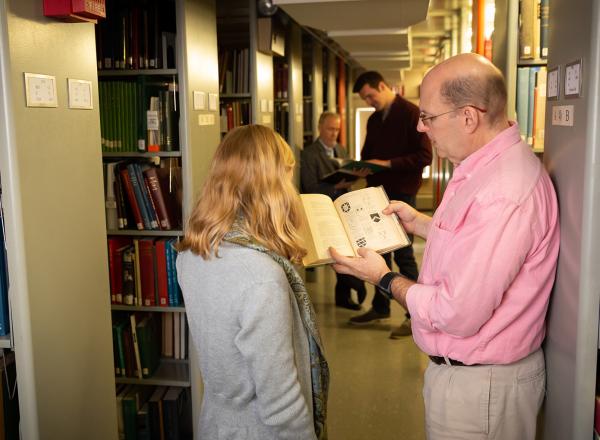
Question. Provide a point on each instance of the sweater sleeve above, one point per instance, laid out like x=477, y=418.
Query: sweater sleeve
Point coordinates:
x=265, y=342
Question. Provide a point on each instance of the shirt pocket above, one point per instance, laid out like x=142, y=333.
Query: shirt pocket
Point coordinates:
x=438, y=240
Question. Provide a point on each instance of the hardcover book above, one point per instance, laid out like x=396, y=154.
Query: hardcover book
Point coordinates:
x=349, y=170
x=353, y=221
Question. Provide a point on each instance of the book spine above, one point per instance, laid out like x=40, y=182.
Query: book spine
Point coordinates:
x=522, y=100
x=147, y=272
x=161, y=272
x=129, y=190
x=139, y=196
x=544, y=24
x=158, y=198
x=136, y=347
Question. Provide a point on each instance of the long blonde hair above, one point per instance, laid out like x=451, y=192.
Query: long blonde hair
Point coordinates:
x=251, y=178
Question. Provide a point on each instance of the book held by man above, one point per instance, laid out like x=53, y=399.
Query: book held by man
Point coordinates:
x=354, y=220
x=349, y=170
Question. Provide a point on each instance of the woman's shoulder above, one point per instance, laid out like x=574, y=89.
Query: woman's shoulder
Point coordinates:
x=235, y=260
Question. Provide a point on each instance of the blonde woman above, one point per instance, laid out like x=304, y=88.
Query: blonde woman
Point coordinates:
x=251, y=320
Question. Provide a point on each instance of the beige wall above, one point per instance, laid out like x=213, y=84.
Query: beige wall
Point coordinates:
x=62, y=326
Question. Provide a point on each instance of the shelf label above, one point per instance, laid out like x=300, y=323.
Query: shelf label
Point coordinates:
x=563, y=115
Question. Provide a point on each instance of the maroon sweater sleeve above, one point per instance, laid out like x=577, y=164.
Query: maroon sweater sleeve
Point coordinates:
x=396, y=139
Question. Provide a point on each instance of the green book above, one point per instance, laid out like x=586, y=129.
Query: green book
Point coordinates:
x=349, y=164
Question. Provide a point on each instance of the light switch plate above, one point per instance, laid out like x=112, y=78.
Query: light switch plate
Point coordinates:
x=80, y=94
x=40, y=90
x=553, y=82
x=573, y=79
x=213, y=101
x=199, y=100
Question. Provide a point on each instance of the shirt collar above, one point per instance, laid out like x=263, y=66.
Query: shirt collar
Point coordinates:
x=503, y=140
x=325, y=146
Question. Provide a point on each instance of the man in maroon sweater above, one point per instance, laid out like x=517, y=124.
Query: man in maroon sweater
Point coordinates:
x=394, y=142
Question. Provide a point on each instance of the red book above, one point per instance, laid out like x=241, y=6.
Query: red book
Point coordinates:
x=147, y=271
x=137, y=214
x=161, y=272
x=158, y=199
x=229, y=112
x=116, y=245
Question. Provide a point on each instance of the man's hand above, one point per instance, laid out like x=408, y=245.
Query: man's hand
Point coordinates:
x=368, y=266
x=380, y=162
x=343, y=184
x=413, y=221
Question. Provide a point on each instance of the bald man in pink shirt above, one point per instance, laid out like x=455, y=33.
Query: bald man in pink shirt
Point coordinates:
x=479, y=306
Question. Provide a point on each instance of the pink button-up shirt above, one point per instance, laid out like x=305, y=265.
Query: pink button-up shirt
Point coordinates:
x=490, y=258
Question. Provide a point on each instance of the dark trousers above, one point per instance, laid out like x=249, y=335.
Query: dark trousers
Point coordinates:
x=343, y=286
x=404, y=259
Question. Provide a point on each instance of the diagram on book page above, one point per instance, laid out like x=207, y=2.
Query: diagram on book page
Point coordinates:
x=365, y=224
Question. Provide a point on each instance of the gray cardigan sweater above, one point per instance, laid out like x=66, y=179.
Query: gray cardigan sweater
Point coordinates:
x=251, y=344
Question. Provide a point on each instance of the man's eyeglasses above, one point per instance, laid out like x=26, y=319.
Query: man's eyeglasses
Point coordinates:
x=424, y=117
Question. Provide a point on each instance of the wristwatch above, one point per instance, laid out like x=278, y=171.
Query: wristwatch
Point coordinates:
x=385, y=283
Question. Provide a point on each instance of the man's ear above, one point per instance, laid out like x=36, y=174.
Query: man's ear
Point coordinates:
x=471, y=119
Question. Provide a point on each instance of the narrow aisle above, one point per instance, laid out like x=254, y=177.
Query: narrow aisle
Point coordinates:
x=376, y=382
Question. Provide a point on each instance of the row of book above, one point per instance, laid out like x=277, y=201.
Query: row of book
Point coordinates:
x=137, y=34
x=234, y=114
x=234, y=71
x=153, y=413
x=531, y=104
x=143, y=272
x=9, y=399
x=533, y=29
x=142, y=196
x=4, y=310
x=140, y=340
x=138, y=115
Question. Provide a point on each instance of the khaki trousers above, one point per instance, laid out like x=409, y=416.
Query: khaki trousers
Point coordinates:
x=498, y=402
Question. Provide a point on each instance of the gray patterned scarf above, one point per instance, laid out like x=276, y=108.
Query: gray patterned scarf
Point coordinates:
x=319, y=367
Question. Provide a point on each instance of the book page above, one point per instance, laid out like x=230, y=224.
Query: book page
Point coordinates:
x=366, y=225
x=326, y=229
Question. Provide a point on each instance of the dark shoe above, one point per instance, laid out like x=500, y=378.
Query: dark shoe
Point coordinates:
x=403, y=330
x=370, y=317
x=348, y=305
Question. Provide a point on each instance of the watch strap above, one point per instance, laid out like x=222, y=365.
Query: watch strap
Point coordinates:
x=385, y=283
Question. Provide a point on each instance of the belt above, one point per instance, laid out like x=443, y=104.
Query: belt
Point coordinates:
x=439, y=360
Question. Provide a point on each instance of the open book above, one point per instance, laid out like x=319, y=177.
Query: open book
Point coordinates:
x=348, y=170
x=353, y=221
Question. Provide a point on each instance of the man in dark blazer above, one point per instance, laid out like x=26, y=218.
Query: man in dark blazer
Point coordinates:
x=318, y=160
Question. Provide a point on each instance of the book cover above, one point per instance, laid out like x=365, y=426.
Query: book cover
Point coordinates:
x=167, y=335
x=355, y=220
x=523, y=100
x=526, y=25
x=158, y=198
x=155, y=410
x=135, y=207
x=136, y=347
x=146, y=250
x=128, y=276
x=173, y=410
x=161, y=272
